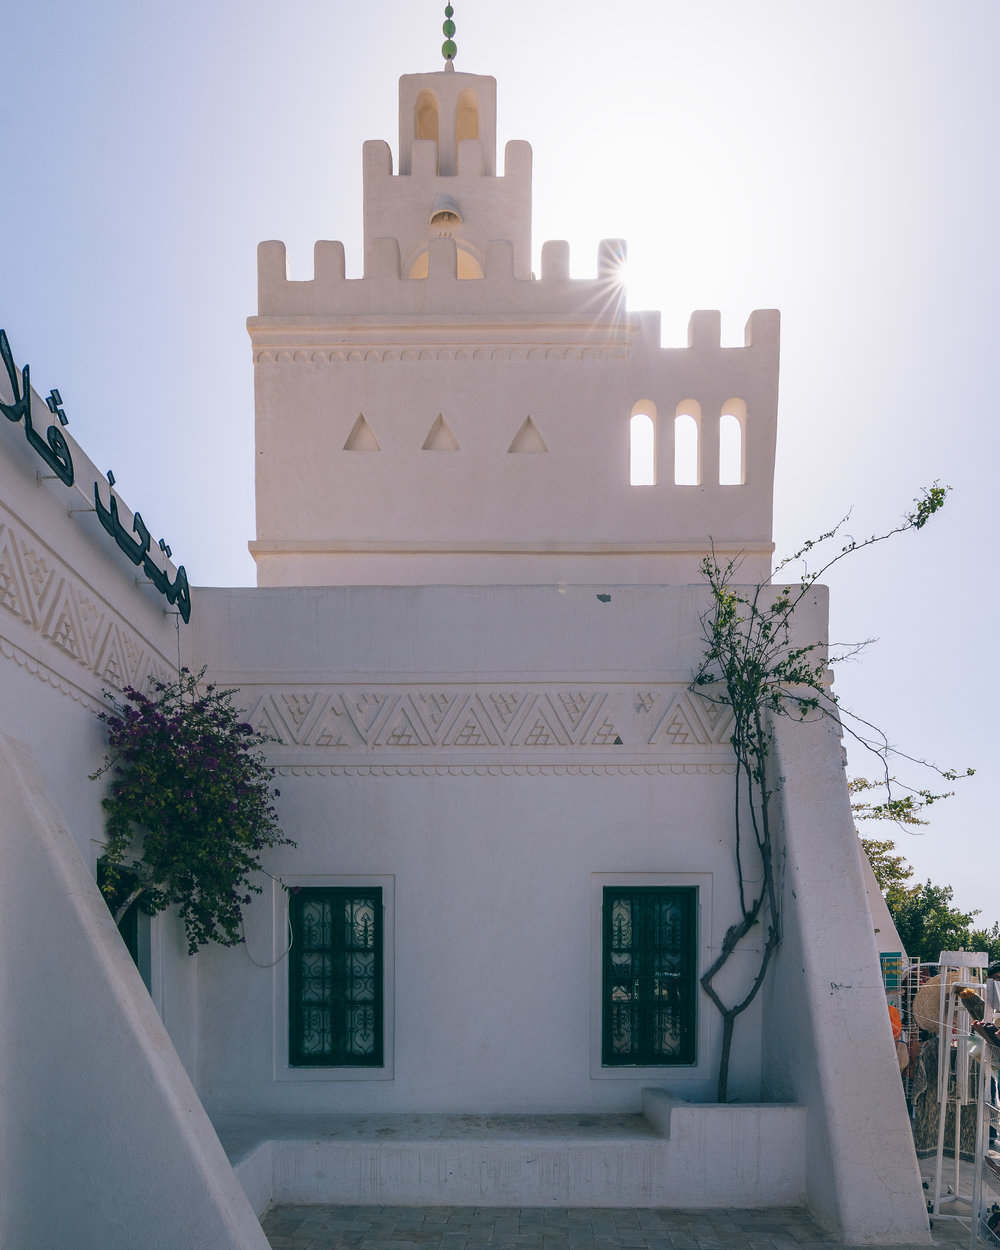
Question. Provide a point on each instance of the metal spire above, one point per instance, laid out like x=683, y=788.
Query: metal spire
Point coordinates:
x=449, y=49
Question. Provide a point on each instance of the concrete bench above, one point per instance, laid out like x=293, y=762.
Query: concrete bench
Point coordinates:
x=673, y=1154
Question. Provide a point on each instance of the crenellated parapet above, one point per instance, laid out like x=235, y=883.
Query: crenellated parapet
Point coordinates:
x=451, y=417
x=387, y=288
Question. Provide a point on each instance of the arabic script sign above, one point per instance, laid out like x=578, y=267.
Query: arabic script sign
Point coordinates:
x=55, y=451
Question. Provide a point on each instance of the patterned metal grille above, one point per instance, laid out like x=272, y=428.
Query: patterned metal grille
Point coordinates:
x=336, y=998
x=649, y=976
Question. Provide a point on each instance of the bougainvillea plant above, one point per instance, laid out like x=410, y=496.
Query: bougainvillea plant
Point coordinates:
x=189, y=807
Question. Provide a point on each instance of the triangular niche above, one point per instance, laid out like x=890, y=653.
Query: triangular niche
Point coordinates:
x=527, y=438
x=440, y=437
x=362, y=437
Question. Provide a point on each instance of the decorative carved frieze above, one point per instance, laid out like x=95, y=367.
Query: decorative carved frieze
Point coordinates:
x=491, y=726
x=77, y=633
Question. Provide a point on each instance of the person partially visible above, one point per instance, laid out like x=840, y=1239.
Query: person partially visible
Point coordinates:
x=991, y=992
x=988, y=1028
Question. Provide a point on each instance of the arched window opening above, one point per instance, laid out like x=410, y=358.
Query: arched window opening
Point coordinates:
x=686, y=449
x=731, y=471
x=466, y=117
x=427, y=115
x=642, y=449
x=134, y=925
x=468, y=266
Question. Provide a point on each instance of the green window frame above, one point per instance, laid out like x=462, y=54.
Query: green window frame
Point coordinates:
x=336, y=978
x=134, y=925
x=648, y=997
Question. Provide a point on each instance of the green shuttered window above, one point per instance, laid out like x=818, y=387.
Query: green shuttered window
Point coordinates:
x=649, y=981
x=336, y=999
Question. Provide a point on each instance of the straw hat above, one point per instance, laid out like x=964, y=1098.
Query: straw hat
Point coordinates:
x=926, y=1006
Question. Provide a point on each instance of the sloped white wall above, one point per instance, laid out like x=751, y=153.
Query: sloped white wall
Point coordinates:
x=886, y=934
x=105, y=1145
x=827, y=1042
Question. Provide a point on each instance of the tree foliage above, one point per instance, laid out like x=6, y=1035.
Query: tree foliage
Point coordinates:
x=189, y=806
x=927, y=923
x=892, y=872
x=752, y=665
x=901, y=804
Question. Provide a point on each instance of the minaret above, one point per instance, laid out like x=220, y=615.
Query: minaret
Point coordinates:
x=449, y=417
x=447, y=186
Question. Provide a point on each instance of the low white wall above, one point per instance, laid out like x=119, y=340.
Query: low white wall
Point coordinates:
x=105, y=1145
x=679, y=1155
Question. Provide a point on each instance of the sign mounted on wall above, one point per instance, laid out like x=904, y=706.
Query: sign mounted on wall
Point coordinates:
x=55, y=451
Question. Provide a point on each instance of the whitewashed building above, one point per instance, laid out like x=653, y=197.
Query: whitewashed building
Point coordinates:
x=483, y=496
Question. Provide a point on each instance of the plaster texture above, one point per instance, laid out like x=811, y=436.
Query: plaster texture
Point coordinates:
x=105, y=1145
x=884, y=927
x=77, y=620
x=753, y=1153
x=826, y=1042
x=505, y=838
x=493, y=838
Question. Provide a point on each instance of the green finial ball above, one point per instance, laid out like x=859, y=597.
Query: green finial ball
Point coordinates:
x=449, y=48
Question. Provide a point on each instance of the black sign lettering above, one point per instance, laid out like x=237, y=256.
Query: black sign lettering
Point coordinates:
x=54, y=450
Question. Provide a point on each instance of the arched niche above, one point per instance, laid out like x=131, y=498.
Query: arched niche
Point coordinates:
x=466, y=117
x=468, y=266
x=426, y=115
x=687, y=438
x=642, y=444
x=732, y=443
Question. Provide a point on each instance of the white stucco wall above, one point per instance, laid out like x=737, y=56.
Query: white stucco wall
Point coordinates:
x=827, y=1043
x=105, y=1145
x=481, y=512
x=886, y=934
x=73, y=622
x=494, y=850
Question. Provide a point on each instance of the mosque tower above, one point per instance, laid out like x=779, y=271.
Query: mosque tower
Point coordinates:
x=452, y=417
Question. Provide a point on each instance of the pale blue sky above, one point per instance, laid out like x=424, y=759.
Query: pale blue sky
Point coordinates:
x=836, y=161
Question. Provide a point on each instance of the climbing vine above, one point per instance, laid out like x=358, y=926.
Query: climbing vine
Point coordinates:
x=752, y=665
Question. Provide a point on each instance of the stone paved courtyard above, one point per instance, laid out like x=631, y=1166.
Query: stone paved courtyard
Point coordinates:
x=535, y=1228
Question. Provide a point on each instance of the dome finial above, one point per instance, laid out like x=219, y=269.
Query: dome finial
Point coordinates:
x=449, y=49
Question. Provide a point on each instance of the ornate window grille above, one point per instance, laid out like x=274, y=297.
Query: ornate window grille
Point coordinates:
x=336, y=999
x=650, y=971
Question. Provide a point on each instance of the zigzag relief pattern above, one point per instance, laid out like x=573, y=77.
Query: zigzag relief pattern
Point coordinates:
x=488, y=719
x=693, y=721
x=372, y=355
x=59, y=607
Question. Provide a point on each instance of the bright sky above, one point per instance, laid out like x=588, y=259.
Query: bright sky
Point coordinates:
x=836, y=161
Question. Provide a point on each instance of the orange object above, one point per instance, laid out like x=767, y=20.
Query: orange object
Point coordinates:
x=896, y=1022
